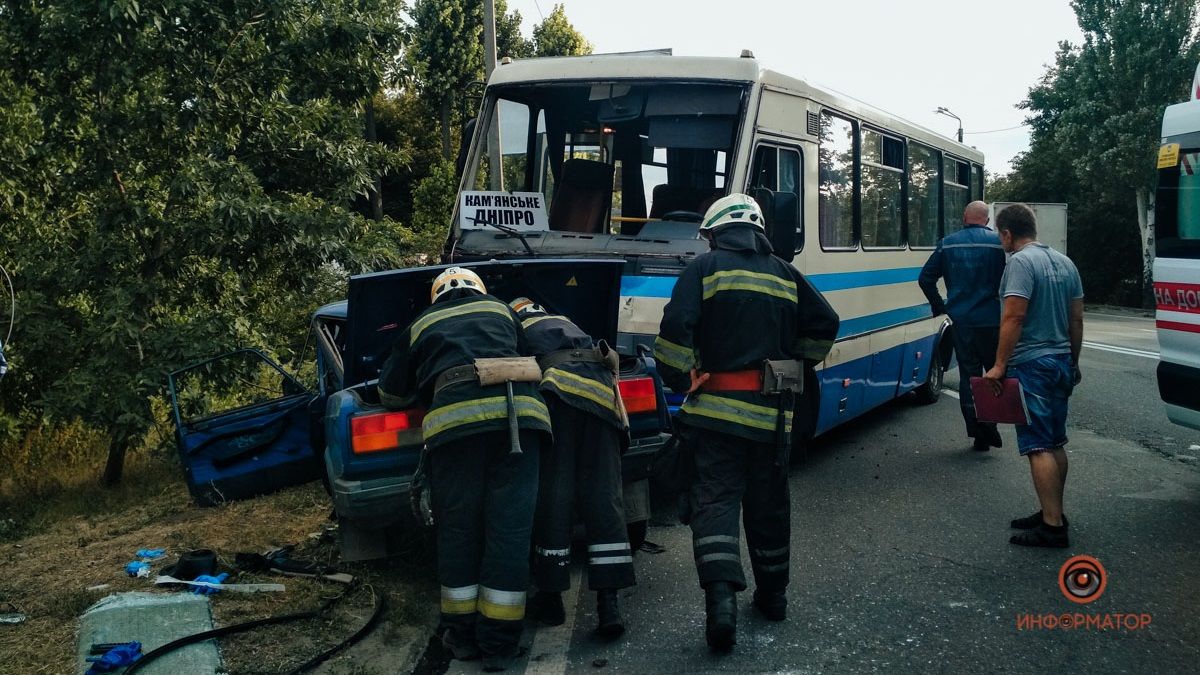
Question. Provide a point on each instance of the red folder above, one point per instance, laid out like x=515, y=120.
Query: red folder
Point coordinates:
x=1007, y=408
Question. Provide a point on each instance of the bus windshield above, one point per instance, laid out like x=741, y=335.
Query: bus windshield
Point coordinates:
x=611, y=158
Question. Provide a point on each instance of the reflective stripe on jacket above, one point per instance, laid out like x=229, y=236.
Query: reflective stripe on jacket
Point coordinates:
x=451, y=333
x=731, y=309
x=586, y=386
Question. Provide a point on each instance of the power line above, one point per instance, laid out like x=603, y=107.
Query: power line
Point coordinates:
x=539, y=9
x=994, y=131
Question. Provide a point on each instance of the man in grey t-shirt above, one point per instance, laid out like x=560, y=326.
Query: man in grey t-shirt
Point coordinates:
x=1041, y=332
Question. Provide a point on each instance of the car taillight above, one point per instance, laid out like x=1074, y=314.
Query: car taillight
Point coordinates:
x=639, y=395
x=385, y=431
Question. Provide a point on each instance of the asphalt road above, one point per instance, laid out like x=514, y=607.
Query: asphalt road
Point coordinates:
x=900, y=553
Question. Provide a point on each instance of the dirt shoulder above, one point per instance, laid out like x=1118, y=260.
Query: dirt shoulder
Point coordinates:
x=47, y=576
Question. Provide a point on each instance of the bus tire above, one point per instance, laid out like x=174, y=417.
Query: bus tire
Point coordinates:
x=929, y=392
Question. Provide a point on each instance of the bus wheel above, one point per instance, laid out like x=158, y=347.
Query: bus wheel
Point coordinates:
x=931, y=391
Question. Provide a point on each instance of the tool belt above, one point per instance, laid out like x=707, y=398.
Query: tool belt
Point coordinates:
x=775, y=377
x=485, y=372
x=601, y=354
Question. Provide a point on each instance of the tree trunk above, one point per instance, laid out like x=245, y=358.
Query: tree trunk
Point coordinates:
x=1146, y=228
x=115, y=465
x=446, y=150
x=376, y=194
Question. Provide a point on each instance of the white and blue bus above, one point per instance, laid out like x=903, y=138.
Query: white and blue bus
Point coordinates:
x=619, y=155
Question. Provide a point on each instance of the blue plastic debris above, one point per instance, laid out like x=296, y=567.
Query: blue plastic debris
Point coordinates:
x=137, y=568
x=148, y=554
x=118, y=657
x=206, y=579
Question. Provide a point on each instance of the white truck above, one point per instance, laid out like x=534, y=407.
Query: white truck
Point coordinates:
x=1051, y=222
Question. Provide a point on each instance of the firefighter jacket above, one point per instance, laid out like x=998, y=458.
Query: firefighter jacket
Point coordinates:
x=731, y=309
x=590, y=387
x=453, y=333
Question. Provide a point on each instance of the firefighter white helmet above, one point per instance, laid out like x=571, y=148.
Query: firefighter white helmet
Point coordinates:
x=525, y=307
x=453, y=279
x=736, y=208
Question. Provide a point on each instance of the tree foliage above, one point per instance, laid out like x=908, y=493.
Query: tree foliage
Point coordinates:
x=182, y=177
x=1095, y=119
x=555, y=36
x=182, y=173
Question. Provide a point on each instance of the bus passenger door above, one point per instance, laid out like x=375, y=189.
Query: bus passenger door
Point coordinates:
x=775, y=182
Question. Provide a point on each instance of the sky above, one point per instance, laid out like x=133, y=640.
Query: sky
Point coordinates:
x=977, y=58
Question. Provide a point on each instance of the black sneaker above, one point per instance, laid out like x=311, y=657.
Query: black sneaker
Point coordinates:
x=980, y=445
x=1031, y=521
x=1043, y=536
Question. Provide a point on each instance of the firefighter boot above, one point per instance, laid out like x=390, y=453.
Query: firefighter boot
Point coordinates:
x=608, y=609
x=772, y=604
x=547, y=608
x=720, y=603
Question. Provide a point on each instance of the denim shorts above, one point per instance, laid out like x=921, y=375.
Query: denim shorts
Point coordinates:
x=1047, y=382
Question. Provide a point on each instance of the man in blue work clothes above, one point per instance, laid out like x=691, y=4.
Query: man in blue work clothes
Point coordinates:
x=972, y=263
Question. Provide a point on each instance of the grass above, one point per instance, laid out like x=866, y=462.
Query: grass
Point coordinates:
x=63, y=534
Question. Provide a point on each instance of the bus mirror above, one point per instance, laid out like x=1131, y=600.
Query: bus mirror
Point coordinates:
x=464, y=145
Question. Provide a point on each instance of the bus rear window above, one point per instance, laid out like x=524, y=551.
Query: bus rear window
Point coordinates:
x=1177, y=210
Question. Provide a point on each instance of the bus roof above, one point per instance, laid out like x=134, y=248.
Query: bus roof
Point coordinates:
x=601, y=67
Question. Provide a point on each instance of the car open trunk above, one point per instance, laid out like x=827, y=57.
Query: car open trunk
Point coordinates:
x=381, y=305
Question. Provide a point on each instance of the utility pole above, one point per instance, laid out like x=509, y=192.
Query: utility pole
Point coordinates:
x=496, y=176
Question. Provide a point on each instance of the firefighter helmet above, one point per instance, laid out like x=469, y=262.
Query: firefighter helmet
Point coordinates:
x=525, y=307
x=453, y=279
x=736, y=208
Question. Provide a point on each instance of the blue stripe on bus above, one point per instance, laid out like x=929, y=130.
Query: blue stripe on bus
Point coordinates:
x=660, y=287
x=647, y=287
x=840, y=281
x=892, y=317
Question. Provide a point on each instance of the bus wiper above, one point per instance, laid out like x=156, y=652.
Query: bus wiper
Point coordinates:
x=512, y=232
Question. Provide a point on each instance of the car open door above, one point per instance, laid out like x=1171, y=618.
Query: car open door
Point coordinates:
x=241, y=427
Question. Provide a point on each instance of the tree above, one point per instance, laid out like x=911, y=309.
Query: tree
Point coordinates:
x=447, y=52
x=509, y=40
x=555, y=36
x=1096, y=115
x=188, y=197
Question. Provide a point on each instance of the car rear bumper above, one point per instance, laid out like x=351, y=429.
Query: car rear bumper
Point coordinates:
x=370, y=502
x=638, y=461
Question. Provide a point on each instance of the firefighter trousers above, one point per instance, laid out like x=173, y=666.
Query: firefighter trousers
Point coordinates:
x=732, y=475
x=581, y=473
x=483, y=502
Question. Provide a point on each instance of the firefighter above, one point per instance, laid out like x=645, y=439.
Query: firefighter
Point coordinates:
x=483, y=445
x=739, y=335
x=581, y=471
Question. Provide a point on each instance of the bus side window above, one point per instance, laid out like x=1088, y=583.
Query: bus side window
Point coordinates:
x=956, y=178
x=837, y=157
x=775, y=183
x=882, y=190
x=922, y=196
